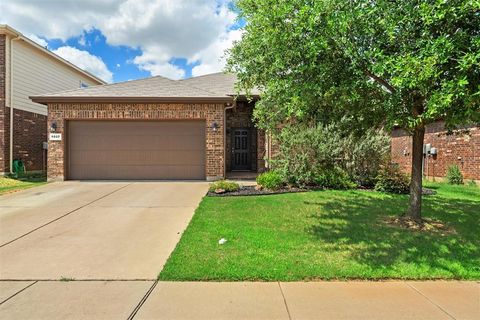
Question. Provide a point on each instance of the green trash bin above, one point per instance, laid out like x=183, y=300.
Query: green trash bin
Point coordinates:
x=18, y=167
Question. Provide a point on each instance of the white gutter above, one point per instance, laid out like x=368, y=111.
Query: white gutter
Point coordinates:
x=11, y=100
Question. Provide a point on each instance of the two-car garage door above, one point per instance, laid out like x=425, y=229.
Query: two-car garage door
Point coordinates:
x=144, y=150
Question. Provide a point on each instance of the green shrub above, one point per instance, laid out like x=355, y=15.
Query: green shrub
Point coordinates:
x=228, y=186
x=305, y=152
x=271, y=180
x=472, y=183
x=334, y=179
x=309, y=154
x=454, y=175
x=364, y=156
x=392, y=179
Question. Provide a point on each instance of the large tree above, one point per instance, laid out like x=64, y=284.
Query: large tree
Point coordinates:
x=380, y=62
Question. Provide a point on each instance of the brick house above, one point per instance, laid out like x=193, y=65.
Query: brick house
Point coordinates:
x=461, y=147
x=154, y=128
x=26, y=68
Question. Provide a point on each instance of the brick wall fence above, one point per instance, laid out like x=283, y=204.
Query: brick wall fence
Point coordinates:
x=60, y=113
x=241, y=117
x=461, y=148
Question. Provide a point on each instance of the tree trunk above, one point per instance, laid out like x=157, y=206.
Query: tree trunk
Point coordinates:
x=415, y=210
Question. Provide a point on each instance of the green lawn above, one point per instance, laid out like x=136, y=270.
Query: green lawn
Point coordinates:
x=328, y=235
x=8, y=185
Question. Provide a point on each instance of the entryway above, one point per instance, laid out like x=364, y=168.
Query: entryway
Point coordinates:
x=241, y=153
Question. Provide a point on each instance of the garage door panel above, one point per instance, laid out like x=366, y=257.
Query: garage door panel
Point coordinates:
x=115, y=128
x=139, y=172
x=134, y=158
x=136, y=142
x=136, y=150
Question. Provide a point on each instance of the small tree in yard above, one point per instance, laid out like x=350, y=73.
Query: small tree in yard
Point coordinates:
x=381, y=63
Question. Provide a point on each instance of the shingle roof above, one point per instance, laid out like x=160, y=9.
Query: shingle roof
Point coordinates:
x=214, y=87
x=218, y=83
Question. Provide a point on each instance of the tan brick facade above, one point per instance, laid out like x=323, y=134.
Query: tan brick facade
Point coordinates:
x=61, y=113
x=461, y=148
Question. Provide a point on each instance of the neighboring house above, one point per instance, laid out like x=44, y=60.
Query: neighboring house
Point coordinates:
x=461, y=147
x=154, y=128
x=26, y=68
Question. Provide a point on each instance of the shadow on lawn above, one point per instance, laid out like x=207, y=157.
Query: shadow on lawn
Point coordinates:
x=356, y=225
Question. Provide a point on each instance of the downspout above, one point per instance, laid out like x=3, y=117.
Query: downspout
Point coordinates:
x=225, y=137
x=11, y=101
x=268, y=137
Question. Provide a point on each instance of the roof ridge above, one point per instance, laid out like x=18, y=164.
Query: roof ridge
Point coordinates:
x=201, y=89
x=134, y=80
x=204, y=75
x=179, y=82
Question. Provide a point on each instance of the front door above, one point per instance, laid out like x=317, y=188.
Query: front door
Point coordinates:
x=241, y=149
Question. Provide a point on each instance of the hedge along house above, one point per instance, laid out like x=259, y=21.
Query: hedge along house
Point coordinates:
x=154, y=128
x=27, y=68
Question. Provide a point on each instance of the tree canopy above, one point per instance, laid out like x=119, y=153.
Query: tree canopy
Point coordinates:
x=379, y=62
x=370, y=58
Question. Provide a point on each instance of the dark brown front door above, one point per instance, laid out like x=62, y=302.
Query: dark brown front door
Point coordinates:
x=241, y=149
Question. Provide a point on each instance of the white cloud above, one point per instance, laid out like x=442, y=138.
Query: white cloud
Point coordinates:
x=55, y=18
x=197, y=30
x=82, y=41
x=164, y=69
x=86, y=61
x=38, y=40
x=212, y=58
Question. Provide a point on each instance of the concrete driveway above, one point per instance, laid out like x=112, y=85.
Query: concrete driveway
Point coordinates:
x=94, y=230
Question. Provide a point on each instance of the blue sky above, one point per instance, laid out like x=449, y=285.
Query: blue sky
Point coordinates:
x=118, y=59
x=119, y=40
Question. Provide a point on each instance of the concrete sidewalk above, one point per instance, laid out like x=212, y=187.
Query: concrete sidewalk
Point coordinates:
x=239, y=300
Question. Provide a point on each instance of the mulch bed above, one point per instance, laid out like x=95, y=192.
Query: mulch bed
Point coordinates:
x=251, y=191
